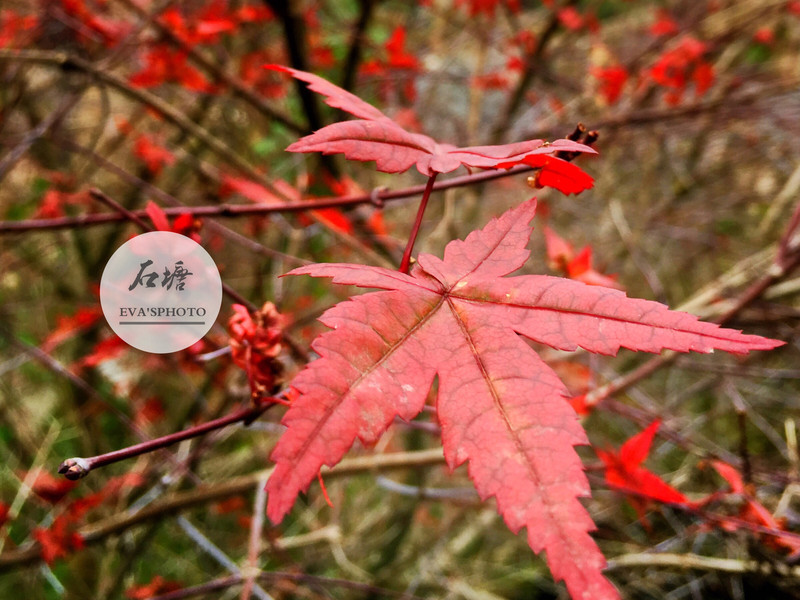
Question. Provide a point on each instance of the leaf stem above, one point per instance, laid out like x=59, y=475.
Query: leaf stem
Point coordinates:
x=417, y=222
x=76, y=468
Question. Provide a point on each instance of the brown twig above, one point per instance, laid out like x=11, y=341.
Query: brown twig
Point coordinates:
x=350, y=69
x=294, y=35
x=77, y=468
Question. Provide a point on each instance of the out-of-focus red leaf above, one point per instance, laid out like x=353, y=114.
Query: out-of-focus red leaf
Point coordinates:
x=253, y=13
x=570, y=18
x=149, y=412
x=154, y=156
x=335, y=219
x=731, y=475
x=490, y=81
x=67, y=327
x=664, y=24
x=94, y=24
x=635, y=450
x=399, y=57
x=51, y=489
x=752, y=511
x=232, y=504
x=157, y=216
x=53, y=203
x=165, y=65
x=559, y=250
x=488, y=7
x=580, y=269
x=457, y=320
x=765, y=36
x=4, y=513
x=59, y=540
x=683, y=63
x=249, y=189
x=106, y=349
x=703, y=77
x=15, y=29
x=612, y=80
x=155, y=587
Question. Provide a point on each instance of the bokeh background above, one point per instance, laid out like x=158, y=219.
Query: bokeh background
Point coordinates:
x=155, y=105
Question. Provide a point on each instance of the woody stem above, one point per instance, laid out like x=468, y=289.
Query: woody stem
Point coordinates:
x=76, y=468
x=415, y=230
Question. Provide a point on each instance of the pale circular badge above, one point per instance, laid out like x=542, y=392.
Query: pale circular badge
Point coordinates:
x=161, y=292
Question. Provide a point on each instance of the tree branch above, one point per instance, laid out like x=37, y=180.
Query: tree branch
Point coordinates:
x=118, y=523
x=244, y=210
x=77, y=468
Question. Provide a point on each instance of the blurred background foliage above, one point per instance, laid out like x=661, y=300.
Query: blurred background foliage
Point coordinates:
x=697, y=106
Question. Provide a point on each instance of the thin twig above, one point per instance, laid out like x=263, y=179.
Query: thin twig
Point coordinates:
x=203, y=494
x=11, y=158
x=246, y=210
x=314, y=581
x=700, y=563
x=228, y=290
x=76, y=468
x=533, y=63
x=254, y=544
x=172, y=114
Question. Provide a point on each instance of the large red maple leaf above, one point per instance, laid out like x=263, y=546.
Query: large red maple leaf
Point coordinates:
x=501, y=408
x=374, y=136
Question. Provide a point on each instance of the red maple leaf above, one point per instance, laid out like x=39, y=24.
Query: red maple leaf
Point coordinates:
x=376, y=137
x=624, y=471
x=499, y=405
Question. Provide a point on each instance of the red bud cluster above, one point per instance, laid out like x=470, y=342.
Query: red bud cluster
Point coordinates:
x=255, y=345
